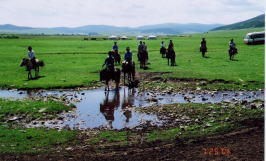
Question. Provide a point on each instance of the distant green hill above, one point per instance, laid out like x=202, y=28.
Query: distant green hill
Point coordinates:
x=255, y=22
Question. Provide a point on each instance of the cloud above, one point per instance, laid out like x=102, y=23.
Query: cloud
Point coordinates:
x=53, y=13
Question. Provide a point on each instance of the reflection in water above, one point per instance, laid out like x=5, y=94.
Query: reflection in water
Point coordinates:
x=108, y=107
x=128, y=101
x=112, y=103
x=116, y=109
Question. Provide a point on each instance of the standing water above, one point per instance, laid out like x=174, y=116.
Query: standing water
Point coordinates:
x=116, y=109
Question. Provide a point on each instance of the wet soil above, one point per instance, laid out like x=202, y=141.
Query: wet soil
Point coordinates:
x=246, y=144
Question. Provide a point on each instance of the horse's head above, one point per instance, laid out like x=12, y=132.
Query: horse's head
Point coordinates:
x=23, y=62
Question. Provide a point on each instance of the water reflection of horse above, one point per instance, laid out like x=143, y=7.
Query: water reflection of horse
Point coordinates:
x=108, y=107
x=31, y=66
x=128, y=101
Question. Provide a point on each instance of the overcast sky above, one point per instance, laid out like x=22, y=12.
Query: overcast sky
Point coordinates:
x=71, y=13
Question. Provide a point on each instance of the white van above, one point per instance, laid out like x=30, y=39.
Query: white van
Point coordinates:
x=255, y=38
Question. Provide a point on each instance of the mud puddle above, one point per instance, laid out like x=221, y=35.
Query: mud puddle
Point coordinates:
x=116, y=109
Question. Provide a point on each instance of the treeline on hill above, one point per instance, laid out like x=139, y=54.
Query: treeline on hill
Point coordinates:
x=9, y=37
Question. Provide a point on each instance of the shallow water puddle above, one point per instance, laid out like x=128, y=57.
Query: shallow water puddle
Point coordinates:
x=116, y=110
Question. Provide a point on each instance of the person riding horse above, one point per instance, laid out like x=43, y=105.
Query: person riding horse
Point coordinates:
x=163, y=49
x=31, y=56
x=115, y=47
x=116, y=54
x=142, y=55
x=109, y=62
x=203, y=47
x=110, y=73
x=232, y=49
x=128, y=66
x=171, y=53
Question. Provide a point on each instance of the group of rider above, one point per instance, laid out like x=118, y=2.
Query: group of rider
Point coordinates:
x=142, y=49
x=232, y=47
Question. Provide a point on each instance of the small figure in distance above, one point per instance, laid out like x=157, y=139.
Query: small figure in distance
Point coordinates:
x=171, y=53
x=163, y=49
x=203, y=47
x=232, y=49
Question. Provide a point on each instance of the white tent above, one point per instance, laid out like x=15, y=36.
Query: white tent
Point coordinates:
x=123, y=37
x=112, y=37
x=152, y=37
x=140, y=37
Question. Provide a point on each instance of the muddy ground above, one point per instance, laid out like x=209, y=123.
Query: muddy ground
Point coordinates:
x=246, y=144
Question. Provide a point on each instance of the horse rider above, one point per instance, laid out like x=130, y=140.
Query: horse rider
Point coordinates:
x=109, y=62
x=171, y=44
x=203, y=47
x=115, y=47
x=232, y=46
x=171, y=53
x=128, y=56
x=145, y=49
x=140, y=49
x=163, y=49
x=31, y=56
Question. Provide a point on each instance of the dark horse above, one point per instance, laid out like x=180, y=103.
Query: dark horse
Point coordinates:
x=232, y=52
x=106, y=75
x=143, y=57
x=203, y=50
x=116, y=56
x=129, y=71
x=163, y=52
x=30, y=65
x=170, y=55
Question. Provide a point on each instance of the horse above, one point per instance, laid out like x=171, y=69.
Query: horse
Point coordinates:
x=203, y=50
x=107, y=75
x=163, y=52
x=30, y=65
x=116, y=56
x=143, y=57
x=170, y=55
x=232, y=52
x=129, y=71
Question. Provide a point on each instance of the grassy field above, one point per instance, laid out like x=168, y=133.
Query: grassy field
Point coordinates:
x=71, y=61
x=14, y=139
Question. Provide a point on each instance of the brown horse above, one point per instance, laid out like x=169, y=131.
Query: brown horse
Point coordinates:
x=232, y=52
x=129, y=71
x=117, y=57
x=106, y=75
x=30, y=65
x=170, y=55
x=203, y=50
x=163, y=52
x=143, y=57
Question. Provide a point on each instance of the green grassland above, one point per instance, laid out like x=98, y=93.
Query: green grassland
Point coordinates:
x=14, y=139
x=72, y=61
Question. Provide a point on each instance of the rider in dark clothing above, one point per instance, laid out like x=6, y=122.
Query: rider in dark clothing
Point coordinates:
x=109, y=62
x=203, y=47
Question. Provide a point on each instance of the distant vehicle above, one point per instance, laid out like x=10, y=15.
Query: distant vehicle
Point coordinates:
x=255, y=38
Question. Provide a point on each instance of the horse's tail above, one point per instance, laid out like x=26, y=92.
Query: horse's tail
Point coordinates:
x=117, y=75
x=41, y=63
